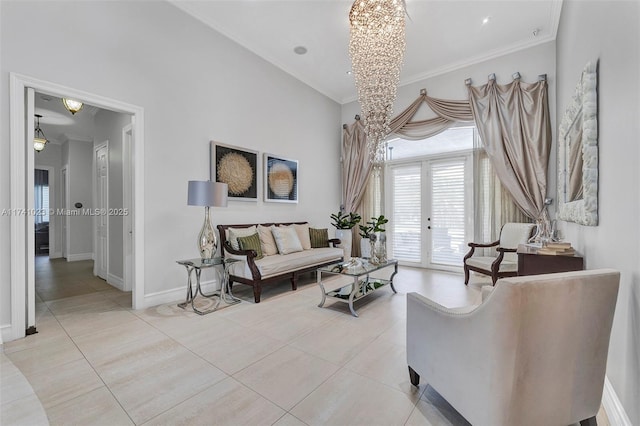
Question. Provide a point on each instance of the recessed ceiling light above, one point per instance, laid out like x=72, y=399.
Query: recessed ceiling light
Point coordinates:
x=349, y=72
x=300, y=50
x=486, y=20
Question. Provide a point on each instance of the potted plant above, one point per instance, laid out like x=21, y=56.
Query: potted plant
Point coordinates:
x=344, y=222
x=371, y=233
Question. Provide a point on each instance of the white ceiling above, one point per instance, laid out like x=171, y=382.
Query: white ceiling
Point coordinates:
x=441, y=35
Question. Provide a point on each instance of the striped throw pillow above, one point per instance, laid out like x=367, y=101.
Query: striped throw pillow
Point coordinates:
x=319, y=237
x=251, y=242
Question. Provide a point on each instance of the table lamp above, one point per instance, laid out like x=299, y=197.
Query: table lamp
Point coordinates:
x=207, y=194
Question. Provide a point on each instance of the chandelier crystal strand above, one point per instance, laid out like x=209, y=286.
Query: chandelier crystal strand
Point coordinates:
x=376, y=48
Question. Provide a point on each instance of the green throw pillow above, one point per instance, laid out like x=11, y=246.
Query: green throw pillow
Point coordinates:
x=252, y=242
x=319, y=237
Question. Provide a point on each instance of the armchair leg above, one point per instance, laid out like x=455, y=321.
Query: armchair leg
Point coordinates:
x=466, y=275
x=589, y=422
x=415, y=378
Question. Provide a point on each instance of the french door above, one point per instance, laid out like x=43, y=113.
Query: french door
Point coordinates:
x=430, y=211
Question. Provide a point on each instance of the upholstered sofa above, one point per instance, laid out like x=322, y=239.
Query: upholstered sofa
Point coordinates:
x=274, y=266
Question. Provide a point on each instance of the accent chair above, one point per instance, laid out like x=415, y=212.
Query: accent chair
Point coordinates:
x=505, y=262
x=534, y=352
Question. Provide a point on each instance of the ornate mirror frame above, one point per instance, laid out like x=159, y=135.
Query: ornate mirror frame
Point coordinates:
x=584, y=104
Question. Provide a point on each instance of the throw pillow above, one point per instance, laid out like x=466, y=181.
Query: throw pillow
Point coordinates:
x=234, y=233
x=286, y=239
x=267, y=243
x=303, y=235
x=319, y=237
x=252, y=242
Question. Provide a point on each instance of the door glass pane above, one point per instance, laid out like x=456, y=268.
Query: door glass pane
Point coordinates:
x=407, y=214
x=447, y=212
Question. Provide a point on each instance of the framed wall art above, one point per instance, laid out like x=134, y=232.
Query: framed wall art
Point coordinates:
x=238, y=168
x=280, y=179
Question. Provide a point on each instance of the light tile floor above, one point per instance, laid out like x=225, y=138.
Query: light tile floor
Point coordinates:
x=281, y=362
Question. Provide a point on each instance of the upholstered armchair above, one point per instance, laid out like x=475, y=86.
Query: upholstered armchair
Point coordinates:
x=505, y=262
x=534, y=352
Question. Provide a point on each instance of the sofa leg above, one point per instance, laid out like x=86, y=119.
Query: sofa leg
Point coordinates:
x=589, y=422
x=257, y=289
x=414, y=377
x=466, y=275
x=294, y=281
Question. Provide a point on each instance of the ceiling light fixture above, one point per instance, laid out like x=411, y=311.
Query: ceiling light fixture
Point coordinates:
x=486, y=20
x=72, y=106
x=376, y=47
x=39, y=139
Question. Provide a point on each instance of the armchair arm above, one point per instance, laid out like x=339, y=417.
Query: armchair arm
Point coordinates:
x=473, y=248
x=250, y=256
x=462, y=353
x=335, y=241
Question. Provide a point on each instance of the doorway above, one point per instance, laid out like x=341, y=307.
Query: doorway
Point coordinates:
x=22, y=89
x=430, y=205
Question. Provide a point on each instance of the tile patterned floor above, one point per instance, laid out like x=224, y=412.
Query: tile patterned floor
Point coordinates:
x=282, y=362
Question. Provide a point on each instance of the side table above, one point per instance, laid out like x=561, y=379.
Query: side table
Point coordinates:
x=224, y=294
x=532, y=263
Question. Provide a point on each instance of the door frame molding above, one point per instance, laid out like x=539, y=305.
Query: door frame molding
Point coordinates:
x=22, y=161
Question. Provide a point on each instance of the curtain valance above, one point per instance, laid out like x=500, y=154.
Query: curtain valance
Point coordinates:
x=449, y=113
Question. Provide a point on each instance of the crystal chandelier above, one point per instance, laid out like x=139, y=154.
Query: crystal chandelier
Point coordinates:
x=376, y=48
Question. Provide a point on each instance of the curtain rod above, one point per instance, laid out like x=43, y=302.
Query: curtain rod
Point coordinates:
x=515, y=76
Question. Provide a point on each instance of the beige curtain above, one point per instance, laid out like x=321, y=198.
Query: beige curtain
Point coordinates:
x=449, y=114
x=513, y=122
x=493, y=205
x=356, y=170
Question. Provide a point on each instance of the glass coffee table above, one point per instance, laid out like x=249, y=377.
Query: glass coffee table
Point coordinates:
x=363, y=284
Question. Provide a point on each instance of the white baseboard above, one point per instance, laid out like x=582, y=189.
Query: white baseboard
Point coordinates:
x=55, y=255
x=116, y=281
x=612, y=406
x=79, y=256
x=6, y=333
x=176, y=294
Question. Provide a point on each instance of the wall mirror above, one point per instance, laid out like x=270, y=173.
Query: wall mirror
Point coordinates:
x=578, y=153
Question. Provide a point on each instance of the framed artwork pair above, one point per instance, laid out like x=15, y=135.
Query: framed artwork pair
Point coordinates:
x=240, y=168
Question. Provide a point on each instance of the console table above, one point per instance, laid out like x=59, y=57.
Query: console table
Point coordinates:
x=532, y=263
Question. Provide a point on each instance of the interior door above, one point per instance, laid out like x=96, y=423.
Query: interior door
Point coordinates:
x=101, y=212
x=127, y=204
x=65, y=204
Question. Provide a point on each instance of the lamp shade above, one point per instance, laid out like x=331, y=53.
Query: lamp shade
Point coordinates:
x=207, y=193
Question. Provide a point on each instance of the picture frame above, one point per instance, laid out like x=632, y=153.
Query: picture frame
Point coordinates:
x=280, y=179
x=238, y=168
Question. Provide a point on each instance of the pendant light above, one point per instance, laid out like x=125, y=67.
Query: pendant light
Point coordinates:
x=39, y=139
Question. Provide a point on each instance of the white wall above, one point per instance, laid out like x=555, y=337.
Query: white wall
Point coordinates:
x=530, y=63
x=610, y=32
x=194, y=85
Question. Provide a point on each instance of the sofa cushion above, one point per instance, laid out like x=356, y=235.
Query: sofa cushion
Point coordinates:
x=286, y=239
x=267, y=242
x=303, y=235
x=252, y=242
x=319, y=237
x=279, y=264
x=234, y=233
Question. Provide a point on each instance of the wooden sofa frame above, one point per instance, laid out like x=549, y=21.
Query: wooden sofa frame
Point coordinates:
x=257, y=280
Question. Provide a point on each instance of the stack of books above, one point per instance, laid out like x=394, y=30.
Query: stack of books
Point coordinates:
x=557, y=249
